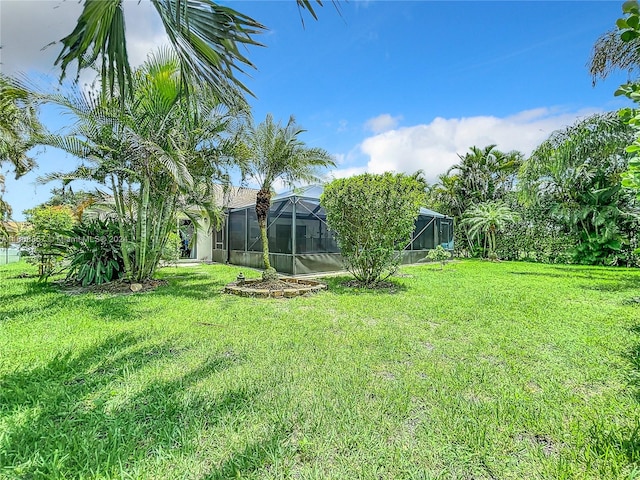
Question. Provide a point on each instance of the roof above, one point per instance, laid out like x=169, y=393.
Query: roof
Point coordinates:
x=314, y=192
x=308, y=191
x=234, y=197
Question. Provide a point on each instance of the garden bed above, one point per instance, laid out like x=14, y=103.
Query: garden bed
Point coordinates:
x=281, y=288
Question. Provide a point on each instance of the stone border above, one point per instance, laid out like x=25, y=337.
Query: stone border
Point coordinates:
x=298, y=287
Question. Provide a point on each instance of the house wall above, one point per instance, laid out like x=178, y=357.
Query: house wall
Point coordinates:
x=203, y=242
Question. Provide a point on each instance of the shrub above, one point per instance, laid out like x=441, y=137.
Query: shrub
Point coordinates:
x=95, y=253
x=373, y=217
x=439, y=254
x=42, y=243
x=171, y=249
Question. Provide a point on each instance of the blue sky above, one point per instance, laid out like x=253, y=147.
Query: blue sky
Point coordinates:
x=383, y=85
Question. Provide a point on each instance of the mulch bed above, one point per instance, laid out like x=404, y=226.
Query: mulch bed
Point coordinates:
x=119, y=287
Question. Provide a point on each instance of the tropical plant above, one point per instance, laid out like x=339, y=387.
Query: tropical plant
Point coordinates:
x=171, y=251
x=628, y=35
x=482, y=175
x=271, y=152
x=612, y=53
x=439, y=254
x=373, y=217
x=42, y=244
x=18, y=128
x=157, y=155
x=94, y=253
x=577, y=172
x=488, y=219
x=206, y=37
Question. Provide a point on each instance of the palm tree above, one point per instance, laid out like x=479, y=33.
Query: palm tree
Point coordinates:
x=159, y=152
x=18, y=127
x=272, y=152
x=611, y=53
x=489, y=218
x=205, y=36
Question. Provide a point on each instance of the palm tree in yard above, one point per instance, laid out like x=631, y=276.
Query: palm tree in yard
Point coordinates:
x=271, y=152
x=488, y=219
x=160, y=151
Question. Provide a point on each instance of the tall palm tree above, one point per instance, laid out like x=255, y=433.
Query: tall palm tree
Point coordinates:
x=271, y=152
x=489, y=218
x=18, y=128
x=157, y=153
x=206, y=37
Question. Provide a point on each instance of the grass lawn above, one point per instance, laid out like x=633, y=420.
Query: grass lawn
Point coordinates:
x=480, y=371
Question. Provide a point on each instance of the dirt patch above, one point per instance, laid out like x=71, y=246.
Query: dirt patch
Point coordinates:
x=119, y=287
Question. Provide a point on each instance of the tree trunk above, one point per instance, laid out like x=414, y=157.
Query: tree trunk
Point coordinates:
x=263, y=203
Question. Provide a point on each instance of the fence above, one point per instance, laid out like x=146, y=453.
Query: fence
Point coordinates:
x=9, y=255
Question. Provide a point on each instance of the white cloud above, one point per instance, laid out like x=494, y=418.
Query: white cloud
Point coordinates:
x=433, y=147
x=382, y=123
x=347, y=172
x=29, y=26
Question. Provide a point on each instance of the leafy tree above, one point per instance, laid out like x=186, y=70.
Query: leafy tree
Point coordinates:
x=206, y=37
x=578, y=171
x=156, y=155
x=18, y=127
x=373, y=217
x=271, y=152
x=489, y=218
x=44, y=245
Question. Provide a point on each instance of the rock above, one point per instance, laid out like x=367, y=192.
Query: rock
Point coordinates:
x=135, y=287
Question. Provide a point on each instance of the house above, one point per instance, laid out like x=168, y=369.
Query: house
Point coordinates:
x=299, y=240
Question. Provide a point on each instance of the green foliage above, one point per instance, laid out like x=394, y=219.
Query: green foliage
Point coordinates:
x=373, y=217
x=157, y=156
x=94, y=252
x=206, y=37
x=482, y=175
x=488, y=219
x=171, y=249
x=42, y=243
x=535, y=236
x=18, y=128
x=439, y=254
x=576, y=175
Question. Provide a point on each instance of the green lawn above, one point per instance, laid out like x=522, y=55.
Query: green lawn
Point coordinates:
x=480, y=371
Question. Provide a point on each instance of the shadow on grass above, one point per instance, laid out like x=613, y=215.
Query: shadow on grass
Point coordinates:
x=613, y=440
x=76, y=416
x=598, y=278
x=252, y=458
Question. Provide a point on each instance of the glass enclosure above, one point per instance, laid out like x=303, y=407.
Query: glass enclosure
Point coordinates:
x=299, y=239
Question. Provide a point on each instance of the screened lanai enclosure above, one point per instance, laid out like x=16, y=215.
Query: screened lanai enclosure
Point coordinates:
x=299, y=240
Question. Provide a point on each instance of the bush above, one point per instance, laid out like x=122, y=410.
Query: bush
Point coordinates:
x=42, y=243
x=439, y=254
x=171, y=249
x=373, y=217
x=95, y=253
